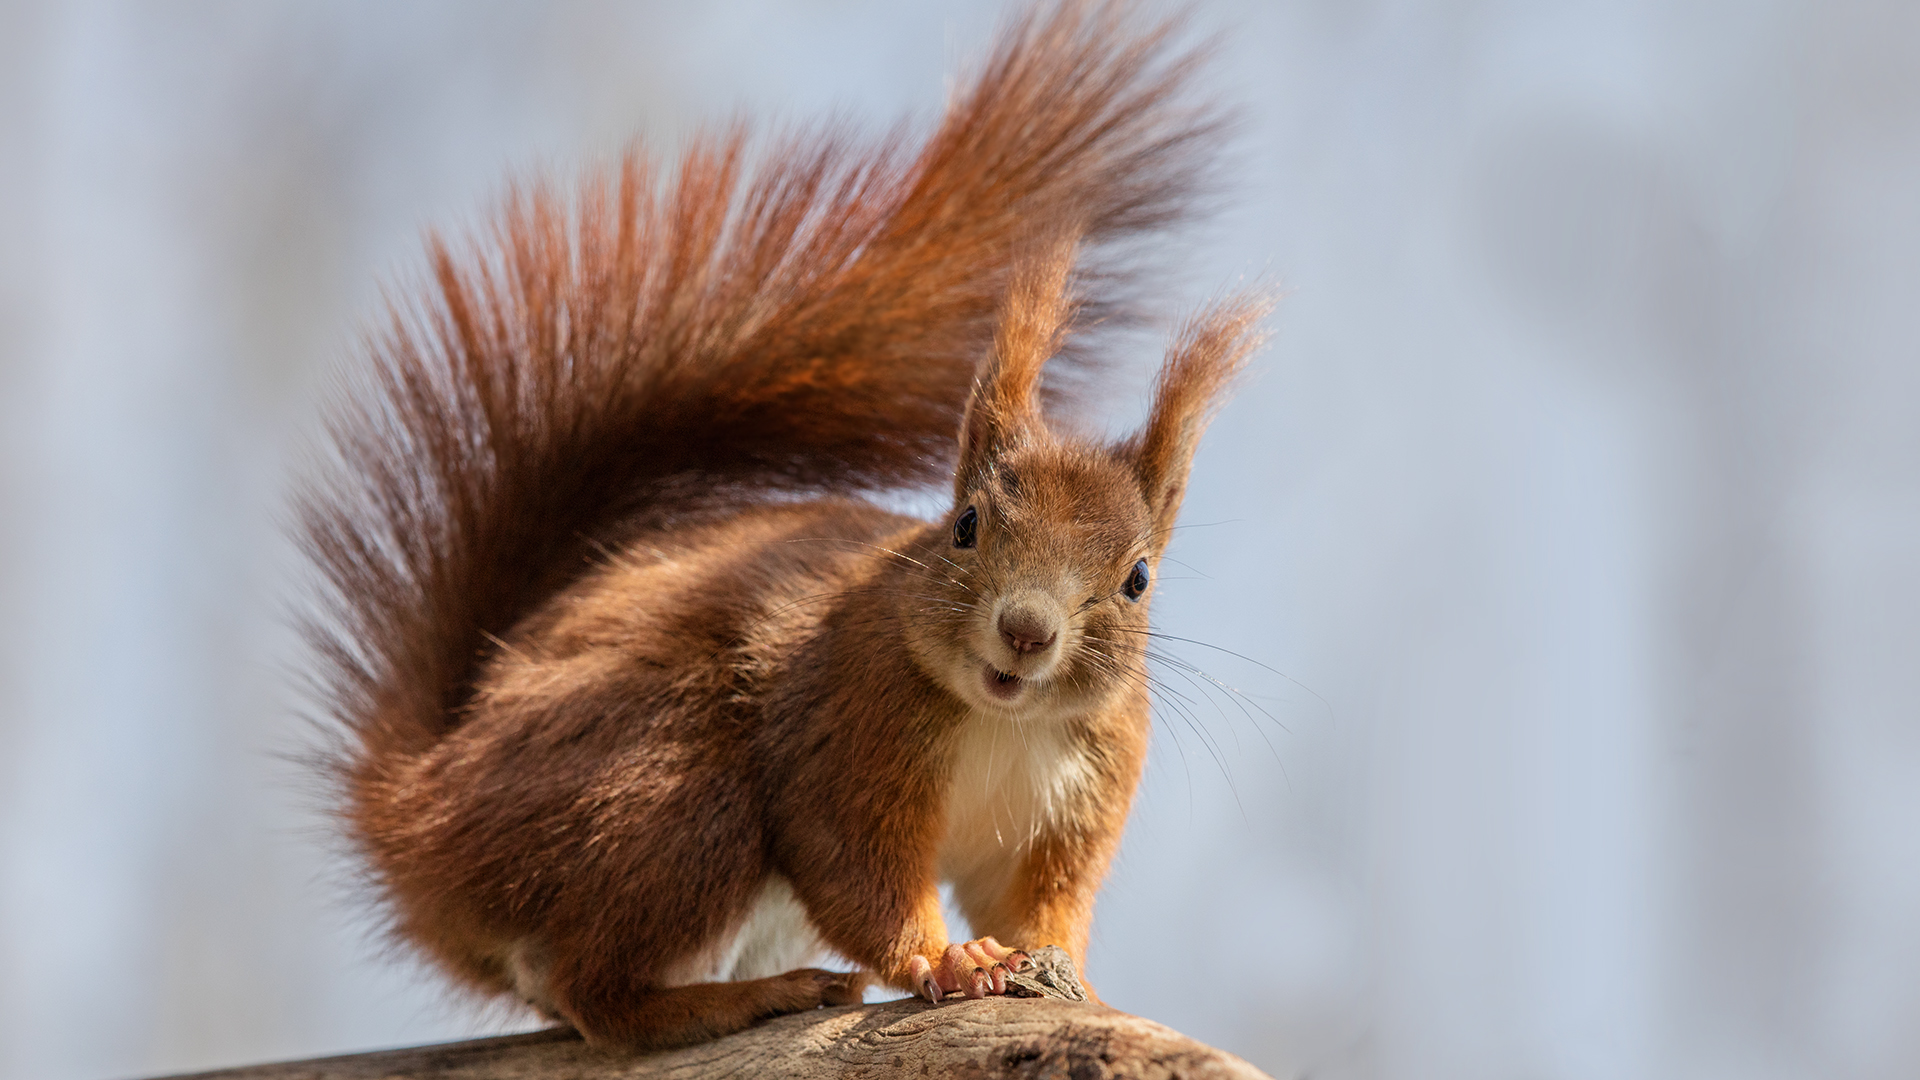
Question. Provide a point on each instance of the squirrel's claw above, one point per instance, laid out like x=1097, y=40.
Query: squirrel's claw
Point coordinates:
x=986, y=960
x=920, y=972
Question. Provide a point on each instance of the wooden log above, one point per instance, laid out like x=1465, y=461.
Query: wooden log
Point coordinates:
x=993, y=1037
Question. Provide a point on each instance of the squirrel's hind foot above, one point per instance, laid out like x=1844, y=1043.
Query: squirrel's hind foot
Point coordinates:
x=684, y=1015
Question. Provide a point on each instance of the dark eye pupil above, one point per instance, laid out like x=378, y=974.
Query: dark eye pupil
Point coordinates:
x=1137, y=581
x=966, y=531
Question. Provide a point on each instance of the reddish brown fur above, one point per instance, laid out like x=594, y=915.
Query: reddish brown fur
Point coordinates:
x=605, y=678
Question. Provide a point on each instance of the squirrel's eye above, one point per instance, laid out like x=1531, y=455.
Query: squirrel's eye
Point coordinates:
x=966, y=531
x=1137, y=581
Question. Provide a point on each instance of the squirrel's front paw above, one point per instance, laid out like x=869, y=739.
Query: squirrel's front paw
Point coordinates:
x=976, y=968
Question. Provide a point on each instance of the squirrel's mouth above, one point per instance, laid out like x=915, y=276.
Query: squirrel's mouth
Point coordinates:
x=1001, y=685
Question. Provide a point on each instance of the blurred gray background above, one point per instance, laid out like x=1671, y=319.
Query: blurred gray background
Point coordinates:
x=1577, y=499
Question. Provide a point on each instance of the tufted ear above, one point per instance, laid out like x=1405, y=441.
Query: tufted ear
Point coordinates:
x=1209, y=351
x=1003, y=411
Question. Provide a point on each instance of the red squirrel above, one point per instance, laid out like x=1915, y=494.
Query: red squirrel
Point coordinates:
x=643, y=703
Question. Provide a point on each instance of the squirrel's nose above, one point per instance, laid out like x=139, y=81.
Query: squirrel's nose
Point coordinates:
x=1026, y=631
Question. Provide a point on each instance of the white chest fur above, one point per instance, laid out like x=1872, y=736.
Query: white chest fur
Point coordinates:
x=1011, y=779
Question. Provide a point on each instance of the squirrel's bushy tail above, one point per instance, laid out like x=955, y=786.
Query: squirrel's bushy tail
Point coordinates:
x=803, y=314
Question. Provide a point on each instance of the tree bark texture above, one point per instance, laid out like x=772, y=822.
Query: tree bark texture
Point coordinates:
x=994, y=1037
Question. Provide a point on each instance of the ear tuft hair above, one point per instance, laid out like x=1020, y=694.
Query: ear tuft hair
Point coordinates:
x=1035, y=318
x=1207, y=354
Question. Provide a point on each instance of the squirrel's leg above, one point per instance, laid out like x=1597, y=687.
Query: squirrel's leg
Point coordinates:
x=1049, y=899
x=863, y=865
x=684, y=1015
x=876, y=905
x=893, y=923
x=902, y=934
x=880, y=904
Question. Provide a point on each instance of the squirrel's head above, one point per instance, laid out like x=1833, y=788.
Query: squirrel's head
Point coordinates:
x=1035, y=600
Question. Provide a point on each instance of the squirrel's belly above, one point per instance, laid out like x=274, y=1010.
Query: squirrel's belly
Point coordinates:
x=775, y=937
